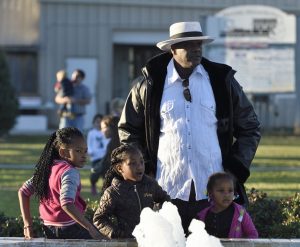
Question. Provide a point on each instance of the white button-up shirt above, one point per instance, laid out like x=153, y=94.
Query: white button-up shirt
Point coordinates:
x=188, y=143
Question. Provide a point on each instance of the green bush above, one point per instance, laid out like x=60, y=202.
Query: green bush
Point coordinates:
x=8, y=103
x=272, y=218
x=275, y=218
x=13, y=227
x=90, y=209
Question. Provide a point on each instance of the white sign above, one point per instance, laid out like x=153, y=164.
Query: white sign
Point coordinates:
x=258, y=42
x=253, y=23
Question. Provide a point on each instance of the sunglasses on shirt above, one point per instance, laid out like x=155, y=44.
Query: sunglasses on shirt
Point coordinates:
x=186, y=91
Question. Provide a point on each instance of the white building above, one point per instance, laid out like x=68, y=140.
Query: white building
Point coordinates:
x=110, y=40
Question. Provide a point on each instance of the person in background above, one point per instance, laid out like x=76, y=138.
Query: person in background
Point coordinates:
x=97, y=143
x=225, y=218
x=56, y=184
x=116, y=106
x=80, y=99
x=191, y=118
x=109, y=128
x=127, y=190
x=64, y=85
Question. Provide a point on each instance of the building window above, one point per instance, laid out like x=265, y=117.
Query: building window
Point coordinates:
x=23, y=72
x=128, y=62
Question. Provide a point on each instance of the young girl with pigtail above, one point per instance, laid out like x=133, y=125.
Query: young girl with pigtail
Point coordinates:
x=56, y=183
x=224, y=218
x=127, y=190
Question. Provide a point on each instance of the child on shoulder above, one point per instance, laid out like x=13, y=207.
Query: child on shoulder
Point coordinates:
x=127, y=190
x=56, y=183
x=64, y=86
x=225, y=218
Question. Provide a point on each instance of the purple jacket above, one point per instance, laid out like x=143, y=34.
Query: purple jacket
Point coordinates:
x=241, y=225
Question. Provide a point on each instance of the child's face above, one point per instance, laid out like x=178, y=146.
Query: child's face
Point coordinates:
x=133, y=167
x=76, y=153
x=105, y=130
x=222, y=194
x=97, y=123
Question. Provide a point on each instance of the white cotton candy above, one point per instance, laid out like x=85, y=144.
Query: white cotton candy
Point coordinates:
x=164, y=229
x=153, y=230
x=199, y=236
x=170, y=213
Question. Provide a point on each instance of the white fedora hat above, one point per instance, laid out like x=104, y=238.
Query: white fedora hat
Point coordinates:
x=184, y=31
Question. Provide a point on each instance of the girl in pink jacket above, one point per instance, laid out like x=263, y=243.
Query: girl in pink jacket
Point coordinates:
x=56, y=183
x=225, y=218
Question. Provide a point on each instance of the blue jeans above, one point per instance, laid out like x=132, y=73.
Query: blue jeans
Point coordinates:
x=76, y=122
x=74, y=231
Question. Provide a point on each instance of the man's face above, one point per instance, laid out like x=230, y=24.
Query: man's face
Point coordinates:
x=188, y=54
x=76, y=78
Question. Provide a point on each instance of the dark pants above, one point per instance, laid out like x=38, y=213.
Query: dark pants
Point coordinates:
x=97, y=171
x=188, y=210
x=74, y=231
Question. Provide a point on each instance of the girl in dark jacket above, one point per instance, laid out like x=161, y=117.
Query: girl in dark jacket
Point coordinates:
x=127, y=190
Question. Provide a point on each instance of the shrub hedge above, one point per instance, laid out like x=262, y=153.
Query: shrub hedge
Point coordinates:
x=275, y=218
x=272, y=218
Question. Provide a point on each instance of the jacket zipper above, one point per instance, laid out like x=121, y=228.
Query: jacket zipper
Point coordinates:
x=138, y=197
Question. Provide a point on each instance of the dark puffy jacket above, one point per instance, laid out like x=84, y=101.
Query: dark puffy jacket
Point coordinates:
x=121, y=205
x=238, y=127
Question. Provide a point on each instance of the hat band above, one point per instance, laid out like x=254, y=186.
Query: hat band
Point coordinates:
x=186, y=34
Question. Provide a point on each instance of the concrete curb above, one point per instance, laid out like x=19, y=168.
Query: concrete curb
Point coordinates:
x=19, y=241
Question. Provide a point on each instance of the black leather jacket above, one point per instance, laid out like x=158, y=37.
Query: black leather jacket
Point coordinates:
x=238, y=127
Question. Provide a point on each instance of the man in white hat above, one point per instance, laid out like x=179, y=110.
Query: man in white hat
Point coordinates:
x=191, y=118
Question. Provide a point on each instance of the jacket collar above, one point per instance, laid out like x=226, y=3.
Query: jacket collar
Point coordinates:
x=123, y=184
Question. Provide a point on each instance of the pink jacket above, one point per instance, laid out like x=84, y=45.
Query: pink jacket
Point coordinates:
x=241, y=225
x=51, y=211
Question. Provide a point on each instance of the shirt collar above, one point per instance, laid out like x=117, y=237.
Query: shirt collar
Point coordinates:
x=173, y=75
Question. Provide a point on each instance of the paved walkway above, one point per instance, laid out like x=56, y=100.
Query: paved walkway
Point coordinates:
x=20, y=242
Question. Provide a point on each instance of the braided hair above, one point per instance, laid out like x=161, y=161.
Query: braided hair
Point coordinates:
x=61, y=137
x=118, y=155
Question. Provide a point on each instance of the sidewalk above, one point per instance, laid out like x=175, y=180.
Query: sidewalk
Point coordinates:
x=38, y=242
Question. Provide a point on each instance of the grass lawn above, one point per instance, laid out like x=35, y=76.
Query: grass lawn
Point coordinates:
x=21, y=149
x=275, y=169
